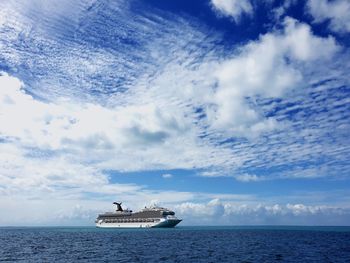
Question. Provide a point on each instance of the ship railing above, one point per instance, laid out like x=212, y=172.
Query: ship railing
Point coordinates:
x=132, y=220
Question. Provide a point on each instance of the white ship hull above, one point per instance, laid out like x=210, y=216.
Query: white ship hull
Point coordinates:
x=161, y=223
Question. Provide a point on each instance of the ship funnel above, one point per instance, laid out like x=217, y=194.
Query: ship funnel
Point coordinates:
x=119, y=206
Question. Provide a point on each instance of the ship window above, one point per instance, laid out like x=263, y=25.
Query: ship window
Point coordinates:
x=168, y=213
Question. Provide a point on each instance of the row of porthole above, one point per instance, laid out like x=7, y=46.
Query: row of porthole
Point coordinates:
x=131, y=221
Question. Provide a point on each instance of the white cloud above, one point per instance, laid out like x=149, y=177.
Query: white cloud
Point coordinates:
x=64, y=125
x=244, y=177
x=152, y=123
x=280, y=10
x=207, y=212
x=248, y=178
x=223, y=213
x=167, y=176
x=233, y=8
x=267, y=67
x=337, y=12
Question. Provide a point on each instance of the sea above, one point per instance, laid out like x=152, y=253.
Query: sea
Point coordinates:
x=180, y=244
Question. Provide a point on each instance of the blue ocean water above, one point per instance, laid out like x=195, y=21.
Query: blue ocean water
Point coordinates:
x=181, y=244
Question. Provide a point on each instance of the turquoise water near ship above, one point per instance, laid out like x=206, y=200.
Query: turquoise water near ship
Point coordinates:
x=180, y=244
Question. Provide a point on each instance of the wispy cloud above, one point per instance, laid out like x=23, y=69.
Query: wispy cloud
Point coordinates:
x=337, y=12
x=167, y=176
x=233, y=8
x=193, y=106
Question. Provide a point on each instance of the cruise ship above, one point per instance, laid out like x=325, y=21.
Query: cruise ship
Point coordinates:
x=148, y=217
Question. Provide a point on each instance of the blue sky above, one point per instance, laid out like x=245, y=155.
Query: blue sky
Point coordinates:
x=227, y=111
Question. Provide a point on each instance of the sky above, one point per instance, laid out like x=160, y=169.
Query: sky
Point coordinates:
x=229, y=112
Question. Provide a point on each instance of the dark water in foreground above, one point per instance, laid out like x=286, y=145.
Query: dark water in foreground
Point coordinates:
x=181, y=244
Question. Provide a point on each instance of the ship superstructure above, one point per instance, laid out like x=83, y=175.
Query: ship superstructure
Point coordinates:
x=148, y=217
